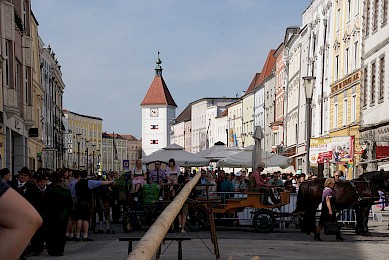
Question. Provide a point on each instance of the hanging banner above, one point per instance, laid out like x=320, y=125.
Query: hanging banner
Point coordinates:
x=319, y=146
x=382, y=152
x=339, y=149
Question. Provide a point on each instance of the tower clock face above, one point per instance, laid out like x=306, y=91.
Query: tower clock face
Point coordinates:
x=154, y=112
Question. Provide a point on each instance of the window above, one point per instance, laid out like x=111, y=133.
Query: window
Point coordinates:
x=364, y=98
x=345, y=108
x=337, y=67
x=153, y=141
x=346, y=61
x=375, y=15
x=367, y=20
x=373, y=80
x=384, y=11
x=24, y=15
x=26, y=92
x=335, y=123
x=381, y=79
x=154, y=127
x=18, y=88
x=353, y=108
x=7, y=65
x=348, y=10
x=356, y=59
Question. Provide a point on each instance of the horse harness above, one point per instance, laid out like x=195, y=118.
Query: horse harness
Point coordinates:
x=360, y=197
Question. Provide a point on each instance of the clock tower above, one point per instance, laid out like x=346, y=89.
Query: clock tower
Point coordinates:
x=158, y=112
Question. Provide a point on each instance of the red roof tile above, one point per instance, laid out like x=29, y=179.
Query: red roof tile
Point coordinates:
x=158, y=94
x=129, y=137
x=267, y=67
x=253, y=83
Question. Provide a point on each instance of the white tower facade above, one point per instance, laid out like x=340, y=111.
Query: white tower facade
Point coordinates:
x=158, y=112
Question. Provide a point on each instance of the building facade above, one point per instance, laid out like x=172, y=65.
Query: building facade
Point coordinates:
x=84, y=142
x=52, y=129
x=345, y=83
x=221, y=128
x=182, y=129
x=280, y=82
x=201, y=123
x=292, y=56
x=374, y=125
x=134, y=149
x=316, y=62
x=17, y=62
x=35, y=141
x=114, y=153
x=246, y=138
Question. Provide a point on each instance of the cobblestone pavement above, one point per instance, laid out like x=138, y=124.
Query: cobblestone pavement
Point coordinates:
x=244, y=243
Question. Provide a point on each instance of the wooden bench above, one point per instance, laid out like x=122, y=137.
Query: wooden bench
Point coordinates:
x=179, y=239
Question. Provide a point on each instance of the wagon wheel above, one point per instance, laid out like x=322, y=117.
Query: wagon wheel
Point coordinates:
x=264, y=221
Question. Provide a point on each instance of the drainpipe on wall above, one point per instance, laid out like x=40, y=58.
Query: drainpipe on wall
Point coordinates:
x=322, y=77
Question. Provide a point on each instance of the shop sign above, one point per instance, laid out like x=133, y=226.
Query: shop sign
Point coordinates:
x=346, y=82
x=338, y=149
x=381, y=152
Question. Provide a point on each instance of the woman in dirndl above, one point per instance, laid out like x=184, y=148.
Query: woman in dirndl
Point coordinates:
x=327, y=209
x=138, y=176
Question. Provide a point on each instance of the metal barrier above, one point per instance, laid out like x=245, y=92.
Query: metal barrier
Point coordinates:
x=347, y=217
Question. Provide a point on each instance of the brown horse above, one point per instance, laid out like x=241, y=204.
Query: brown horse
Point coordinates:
x=359, y=194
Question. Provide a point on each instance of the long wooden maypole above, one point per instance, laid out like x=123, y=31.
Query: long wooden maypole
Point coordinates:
x=148, y=245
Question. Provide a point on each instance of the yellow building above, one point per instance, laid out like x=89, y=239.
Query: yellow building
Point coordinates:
x=345, y=80
x=35, y=140
x=83, y=140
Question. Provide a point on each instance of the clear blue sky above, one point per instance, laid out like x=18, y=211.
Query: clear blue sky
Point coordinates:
x=108, y=49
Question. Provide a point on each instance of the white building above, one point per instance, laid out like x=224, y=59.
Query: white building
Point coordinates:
x=200, y=122
x=375, y=82
x=158, y=113
x=315, y=61
x=259, y=107
x=293, y=95
x=221, y=128
x=179, y=134
x=316, y=37
x=248, y=113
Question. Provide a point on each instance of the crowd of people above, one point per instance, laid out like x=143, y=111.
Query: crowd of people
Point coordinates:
x=63, y=201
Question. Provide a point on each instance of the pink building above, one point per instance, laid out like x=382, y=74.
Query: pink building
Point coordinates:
x=277, y=126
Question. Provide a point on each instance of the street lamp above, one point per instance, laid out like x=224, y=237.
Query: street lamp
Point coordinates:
x=93, y=158
x=309, y=82
x=78, y=150
x=87, y=155
x=98, y=162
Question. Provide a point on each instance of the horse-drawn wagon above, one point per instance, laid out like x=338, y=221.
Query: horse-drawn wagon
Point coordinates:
x=264, y=216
